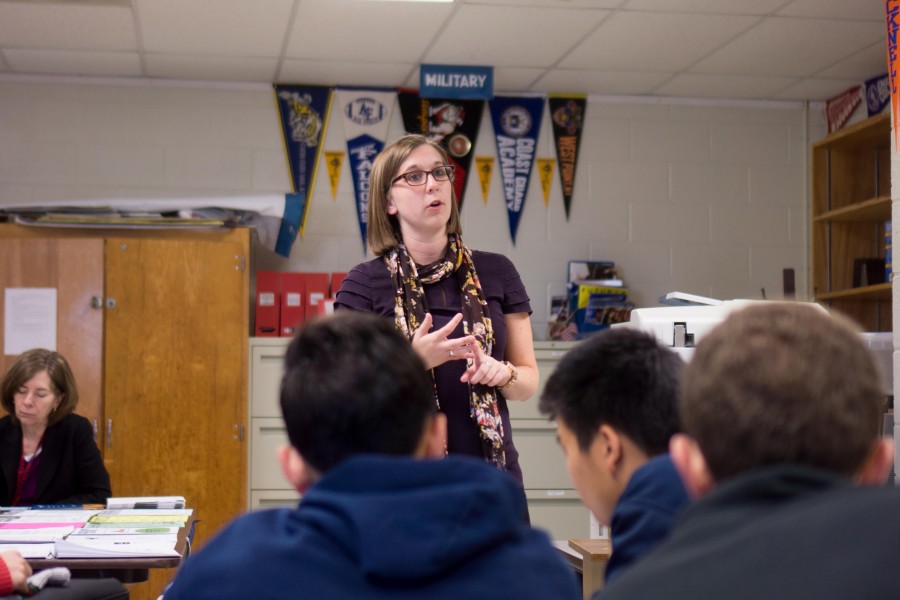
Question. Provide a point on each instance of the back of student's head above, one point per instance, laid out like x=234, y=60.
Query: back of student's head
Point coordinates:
x=783, y=383
x=352, y=385
x=621, y=377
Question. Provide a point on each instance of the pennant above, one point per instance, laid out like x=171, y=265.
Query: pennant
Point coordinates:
x=485, y=166
x=294, y=209
x=334, y=160
x=545, y=172
x=567, y=114
x=517, y=122
x=839, y=108
x=454, y=123
x=878, y=94
x=367, y=115
x=304, y=116
x=892, y=19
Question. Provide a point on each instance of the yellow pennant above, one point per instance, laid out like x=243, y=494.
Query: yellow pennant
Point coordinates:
x=334, y=160
x=545, y=170
x=485, y=166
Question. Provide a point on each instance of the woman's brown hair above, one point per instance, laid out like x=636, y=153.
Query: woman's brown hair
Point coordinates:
x=382, y=229
x=27, y=366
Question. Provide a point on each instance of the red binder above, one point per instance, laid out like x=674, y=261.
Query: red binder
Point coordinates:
x=268, y=303
x=316, y=293
x=293, y=302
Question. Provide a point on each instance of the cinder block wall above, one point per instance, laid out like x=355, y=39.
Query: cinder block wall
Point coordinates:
x=701, y=197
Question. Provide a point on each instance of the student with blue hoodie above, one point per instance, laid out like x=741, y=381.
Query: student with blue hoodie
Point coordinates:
x=614, y=398
x=383, y=513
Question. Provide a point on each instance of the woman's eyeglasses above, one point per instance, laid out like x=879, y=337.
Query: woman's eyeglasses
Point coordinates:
x=442, y=173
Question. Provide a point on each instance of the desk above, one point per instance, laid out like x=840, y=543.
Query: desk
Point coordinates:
x=589, y=559
x=126, y=570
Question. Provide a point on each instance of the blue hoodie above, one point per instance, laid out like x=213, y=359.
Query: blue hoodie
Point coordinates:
x=385, y=527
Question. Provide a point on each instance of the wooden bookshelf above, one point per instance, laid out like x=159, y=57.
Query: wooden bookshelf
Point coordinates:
x=850, y=206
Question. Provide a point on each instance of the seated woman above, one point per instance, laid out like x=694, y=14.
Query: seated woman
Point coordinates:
x=47, y=453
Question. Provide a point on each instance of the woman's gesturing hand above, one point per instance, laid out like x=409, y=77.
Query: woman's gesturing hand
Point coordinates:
x=486, y=370
x=435, y=347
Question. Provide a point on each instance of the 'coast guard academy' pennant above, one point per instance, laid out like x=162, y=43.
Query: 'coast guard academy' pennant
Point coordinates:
x=567, y=114
x=304, y=116
x=454, y=123
x=367, y=114
x=517, y=122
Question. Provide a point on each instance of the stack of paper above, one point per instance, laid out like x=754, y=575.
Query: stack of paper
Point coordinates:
x=35, y=551
x=116, y=546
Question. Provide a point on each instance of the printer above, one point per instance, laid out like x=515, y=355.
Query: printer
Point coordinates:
x=684, y=319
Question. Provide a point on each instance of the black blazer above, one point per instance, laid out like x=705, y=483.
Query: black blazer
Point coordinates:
x=71, y=469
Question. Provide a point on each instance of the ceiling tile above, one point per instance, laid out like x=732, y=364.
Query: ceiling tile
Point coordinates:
x=550, y=3
x=637, y=41
x=58, y=27
x=866, y=64
x=722, y=7
x=344, y=73
x=815, y=89
x=345, y=30
x=723, y=86
x=859, y=10
x=74, y=62
x=524, y=37
x=599, y=82
x=792, y=47
x=216, y=68
x=214, y=27
x=511, y=80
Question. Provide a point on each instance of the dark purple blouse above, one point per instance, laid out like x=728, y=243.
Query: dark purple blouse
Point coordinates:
x=368, y=287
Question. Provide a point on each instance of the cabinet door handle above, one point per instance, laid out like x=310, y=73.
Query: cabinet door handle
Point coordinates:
x=109, y=433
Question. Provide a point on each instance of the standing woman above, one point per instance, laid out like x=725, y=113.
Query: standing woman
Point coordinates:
x=48, y=453
x=466, y=312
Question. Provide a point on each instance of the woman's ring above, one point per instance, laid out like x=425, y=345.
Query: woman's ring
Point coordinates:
x=451, y=353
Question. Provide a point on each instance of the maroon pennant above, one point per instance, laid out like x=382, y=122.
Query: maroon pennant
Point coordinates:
x=454, y=123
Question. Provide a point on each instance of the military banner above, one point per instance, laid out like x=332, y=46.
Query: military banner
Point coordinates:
x=567, y=115
x=366, y=115
x=454, y=123
x=304, y=116
x=517, y=122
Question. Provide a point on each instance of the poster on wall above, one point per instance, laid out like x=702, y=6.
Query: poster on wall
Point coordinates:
x=567, y=116
x=452, y=122
x=517, y=122
x=366, y=115
x=304, y=117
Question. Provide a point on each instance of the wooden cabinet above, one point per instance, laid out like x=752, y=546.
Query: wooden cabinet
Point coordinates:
x=155, y=326
x=850, y=206
x=553, y=502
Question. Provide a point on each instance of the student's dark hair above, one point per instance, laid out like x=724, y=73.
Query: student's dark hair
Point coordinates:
x=32, y=362
x=783, y=383
x=353, y=384
x=621, y=377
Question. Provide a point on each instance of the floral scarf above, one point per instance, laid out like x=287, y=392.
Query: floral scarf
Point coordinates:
x=410, y=309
